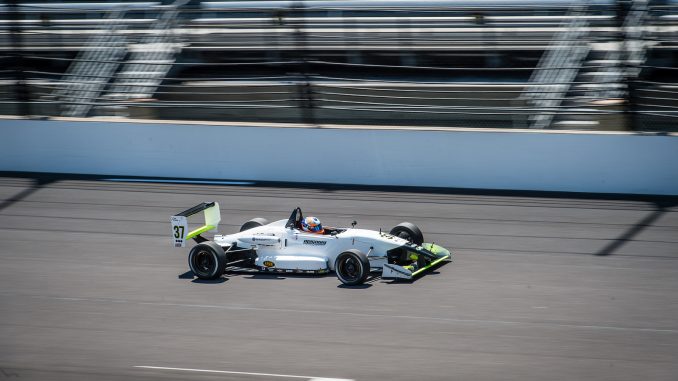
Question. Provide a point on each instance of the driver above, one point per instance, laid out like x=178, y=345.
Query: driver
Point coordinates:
x=312, y=225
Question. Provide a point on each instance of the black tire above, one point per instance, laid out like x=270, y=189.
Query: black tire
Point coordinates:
x=207, y=260
x=408, y=231
x=352, y=267
x=253, y=223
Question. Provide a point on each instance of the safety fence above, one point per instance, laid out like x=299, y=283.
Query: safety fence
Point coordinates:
x=532, y=64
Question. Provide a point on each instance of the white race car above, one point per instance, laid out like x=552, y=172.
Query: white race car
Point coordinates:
x=282, y=246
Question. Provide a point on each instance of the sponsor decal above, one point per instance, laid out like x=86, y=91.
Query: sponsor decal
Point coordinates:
x=314, y=242
x=269, y=264
x=265, y=239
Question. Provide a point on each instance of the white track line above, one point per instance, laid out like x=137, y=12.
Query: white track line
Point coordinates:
x=243, y=373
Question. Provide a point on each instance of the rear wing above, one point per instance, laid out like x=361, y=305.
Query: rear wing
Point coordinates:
x=179, y=222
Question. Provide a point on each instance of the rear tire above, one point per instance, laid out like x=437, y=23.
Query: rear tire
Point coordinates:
x=207, y=260
x=408, y=231
x=253, y=223
x=352, y=267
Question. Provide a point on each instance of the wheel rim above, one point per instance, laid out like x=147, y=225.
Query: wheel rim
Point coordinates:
x=203, y=262
x=350, y=269
x=405, y=235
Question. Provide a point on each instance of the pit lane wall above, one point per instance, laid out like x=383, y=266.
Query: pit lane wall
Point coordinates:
x=458, y=158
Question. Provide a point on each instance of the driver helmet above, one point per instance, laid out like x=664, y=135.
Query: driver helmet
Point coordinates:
x=312, y=225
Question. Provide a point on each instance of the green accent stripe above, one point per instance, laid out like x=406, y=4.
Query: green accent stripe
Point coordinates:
x=437, y=250
x=199, y=230
x=431, y=265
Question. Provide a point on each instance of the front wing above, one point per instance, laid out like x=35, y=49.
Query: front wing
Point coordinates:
x=422, y=257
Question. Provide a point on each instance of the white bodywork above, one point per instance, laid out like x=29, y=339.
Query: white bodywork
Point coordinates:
x=284, y=248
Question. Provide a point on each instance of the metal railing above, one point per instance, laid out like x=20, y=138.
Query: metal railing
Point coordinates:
x=150, y=60
x=558, y=67
x=91, y=70
x=455, y=66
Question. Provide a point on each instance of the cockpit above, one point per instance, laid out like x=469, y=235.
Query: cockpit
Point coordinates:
x=294, y=222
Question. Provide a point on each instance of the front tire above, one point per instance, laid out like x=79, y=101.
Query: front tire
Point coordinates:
x=207, y=260
x=253, y=223
x=352, y=267
x=408, y=231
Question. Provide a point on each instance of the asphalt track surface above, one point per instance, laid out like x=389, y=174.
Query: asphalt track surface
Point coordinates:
x=541, y=289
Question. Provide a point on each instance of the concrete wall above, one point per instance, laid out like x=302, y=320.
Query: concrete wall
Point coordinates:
x=490, y=159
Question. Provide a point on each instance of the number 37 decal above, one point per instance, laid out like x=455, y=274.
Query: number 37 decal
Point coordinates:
x=179, y=227
x=178, y=232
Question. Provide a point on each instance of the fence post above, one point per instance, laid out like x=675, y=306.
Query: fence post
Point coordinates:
x=21, y=92
x=304, y=87
x=623, y=10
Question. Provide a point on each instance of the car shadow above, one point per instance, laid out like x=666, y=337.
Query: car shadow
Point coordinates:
x=190, y=276
x=187, y=275
x=373, y=278
x=356, y=287
x=213, y=281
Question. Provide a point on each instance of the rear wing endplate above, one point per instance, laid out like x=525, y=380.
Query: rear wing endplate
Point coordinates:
x=179, y=222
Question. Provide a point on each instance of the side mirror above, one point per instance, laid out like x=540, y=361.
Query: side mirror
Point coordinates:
x=354, y=223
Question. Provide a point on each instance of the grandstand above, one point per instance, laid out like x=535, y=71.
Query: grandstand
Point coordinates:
x=599, y=64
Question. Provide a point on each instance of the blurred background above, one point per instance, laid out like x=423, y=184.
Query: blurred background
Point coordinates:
x=546, y=64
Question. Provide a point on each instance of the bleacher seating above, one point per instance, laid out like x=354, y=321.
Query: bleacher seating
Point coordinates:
x=472, y=63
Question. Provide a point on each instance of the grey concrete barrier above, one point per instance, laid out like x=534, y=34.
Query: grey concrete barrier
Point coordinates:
x=603, y=162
